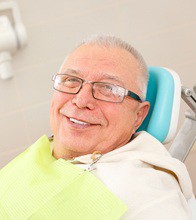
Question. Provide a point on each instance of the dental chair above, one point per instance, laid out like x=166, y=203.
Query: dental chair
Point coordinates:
x=164, y=94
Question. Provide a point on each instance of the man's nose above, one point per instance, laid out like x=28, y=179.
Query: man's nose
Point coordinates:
x=84, y=98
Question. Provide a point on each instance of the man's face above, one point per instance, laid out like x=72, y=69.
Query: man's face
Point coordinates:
x=96, y=125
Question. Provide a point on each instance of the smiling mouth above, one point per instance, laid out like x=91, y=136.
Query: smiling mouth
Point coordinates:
x=78, y=122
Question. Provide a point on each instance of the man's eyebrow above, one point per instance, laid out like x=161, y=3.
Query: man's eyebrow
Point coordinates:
x=72, y=71
x=111, y=77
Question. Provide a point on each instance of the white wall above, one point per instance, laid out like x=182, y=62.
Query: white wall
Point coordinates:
x=163, y=31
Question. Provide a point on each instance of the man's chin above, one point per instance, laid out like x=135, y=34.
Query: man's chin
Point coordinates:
x=76, y=143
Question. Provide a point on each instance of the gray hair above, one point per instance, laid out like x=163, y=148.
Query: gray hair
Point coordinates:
x=112, y=41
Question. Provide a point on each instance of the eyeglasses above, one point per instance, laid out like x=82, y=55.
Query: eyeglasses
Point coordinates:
x=100, y=90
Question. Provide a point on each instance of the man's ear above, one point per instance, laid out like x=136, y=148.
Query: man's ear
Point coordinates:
x=142, y=112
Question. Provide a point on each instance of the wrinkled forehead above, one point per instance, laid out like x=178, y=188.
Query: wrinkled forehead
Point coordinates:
x=93, y=60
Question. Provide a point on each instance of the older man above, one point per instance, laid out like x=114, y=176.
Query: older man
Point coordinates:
x=97, y=166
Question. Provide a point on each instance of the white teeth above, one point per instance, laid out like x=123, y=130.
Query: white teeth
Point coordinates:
x=78, y=122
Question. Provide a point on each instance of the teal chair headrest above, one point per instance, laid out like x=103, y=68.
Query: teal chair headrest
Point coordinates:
x=161, y=94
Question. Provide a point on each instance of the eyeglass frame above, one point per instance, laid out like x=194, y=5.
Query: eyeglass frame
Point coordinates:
x=127, y=93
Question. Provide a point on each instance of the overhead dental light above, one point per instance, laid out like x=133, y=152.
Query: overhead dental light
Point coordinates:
x=13, y=36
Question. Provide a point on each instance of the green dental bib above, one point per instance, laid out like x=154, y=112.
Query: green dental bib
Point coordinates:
x=37, y=186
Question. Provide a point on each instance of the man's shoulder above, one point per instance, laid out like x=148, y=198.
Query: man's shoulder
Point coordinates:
x=146, y=160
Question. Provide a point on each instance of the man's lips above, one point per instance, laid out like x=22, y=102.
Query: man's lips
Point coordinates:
x=80, y=121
